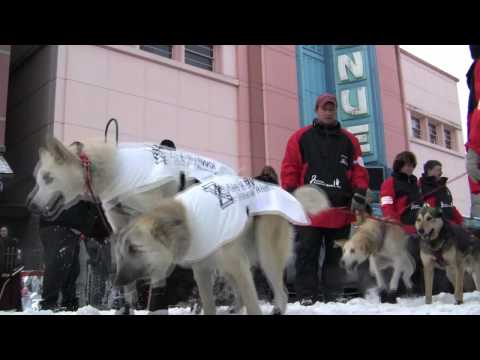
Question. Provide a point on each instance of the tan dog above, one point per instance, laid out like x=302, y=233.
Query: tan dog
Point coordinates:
x=385, y=246
x=154, y=242
x=446, y=246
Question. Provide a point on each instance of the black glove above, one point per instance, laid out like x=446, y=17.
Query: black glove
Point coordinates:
x=360, y=195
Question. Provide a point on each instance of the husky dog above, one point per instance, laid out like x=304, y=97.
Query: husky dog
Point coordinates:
x=129, y=180
x=447, y=246
x=384, y=244
x=220, y=225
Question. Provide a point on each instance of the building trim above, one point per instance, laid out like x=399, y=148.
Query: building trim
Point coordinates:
x=433, y=67
x=406, y=128
x=414, y=109
x=4, y=52
x=378, y=111
x=436, y=147
x=173, y=64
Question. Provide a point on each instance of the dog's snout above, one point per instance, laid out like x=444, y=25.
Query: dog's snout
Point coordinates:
x=421, y=231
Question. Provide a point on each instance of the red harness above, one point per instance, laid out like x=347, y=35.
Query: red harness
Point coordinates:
x=439, y=258
x=87, y=167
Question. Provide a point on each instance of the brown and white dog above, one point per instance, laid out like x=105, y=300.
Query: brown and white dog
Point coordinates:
x=384, y=245
x=447, y=246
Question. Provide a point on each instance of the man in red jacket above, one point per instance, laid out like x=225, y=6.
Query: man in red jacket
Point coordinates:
x=473, y=128
x=328, y=156
x=436, y=193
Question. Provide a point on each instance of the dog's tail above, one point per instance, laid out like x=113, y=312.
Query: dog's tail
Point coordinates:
x=274, y=241
x=313, y=199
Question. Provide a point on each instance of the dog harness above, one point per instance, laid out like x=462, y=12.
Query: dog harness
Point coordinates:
x=219, y=209
x=438, y=253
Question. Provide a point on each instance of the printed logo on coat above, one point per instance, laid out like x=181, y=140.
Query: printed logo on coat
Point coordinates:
x=443, y=205
x=225, y=199
x=159, y=155
x=336, y=183
x=344, y=160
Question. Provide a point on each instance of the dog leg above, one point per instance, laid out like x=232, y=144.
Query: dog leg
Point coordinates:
x=409, y=269
x=274, y=239
x=377, y=273
x=237, y=266
x=204, y=278
x=382, y=287
x=476, y=275
x=397, y=272
x=459, y=276
x=428, y=271
x=237, y=306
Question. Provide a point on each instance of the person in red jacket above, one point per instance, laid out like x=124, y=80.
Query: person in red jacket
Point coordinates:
x=400, y=196
x=436, y=193
x=325, y=155
x=473, y=130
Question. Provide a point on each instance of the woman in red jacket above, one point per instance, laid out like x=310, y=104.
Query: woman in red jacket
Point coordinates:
x=400, y=195
x=436, y=193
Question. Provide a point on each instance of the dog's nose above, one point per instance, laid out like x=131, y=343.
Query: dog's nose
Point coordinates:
x=421, y=231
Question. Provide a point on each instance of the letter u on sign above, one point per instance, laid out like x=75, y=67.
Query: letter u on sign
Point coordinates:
x=361, y=108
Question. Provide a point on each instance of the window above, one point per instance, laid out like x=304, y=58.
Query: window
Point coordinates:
x=162, y=50
x=447, y=133
x=432, y=133
x=200, y=56
x=416, y=128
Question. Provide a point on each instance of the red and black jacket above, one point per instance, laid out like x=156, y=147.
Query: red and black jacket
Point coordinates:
x=473, y=119
x=437, y=194
x=400, y=199
x=330, y=158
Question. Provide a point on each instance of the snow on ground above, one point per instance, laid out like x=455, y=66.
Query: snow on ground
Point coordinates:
x=443, y=304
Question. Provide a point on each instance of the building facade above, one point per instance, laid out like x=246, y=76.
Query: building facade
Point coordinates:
x=236, y=103
x=433, y=115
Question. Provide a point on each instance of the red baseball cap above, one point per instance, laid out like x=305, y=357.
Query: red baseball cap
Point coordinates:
x=325, y=98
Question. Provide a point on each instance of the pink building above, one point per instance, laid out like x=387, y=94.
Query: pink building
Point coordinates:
x=435, y=131
x=235, y=103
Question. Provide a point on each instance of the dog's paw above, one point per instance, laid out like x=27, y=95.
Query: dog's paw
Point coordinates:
x=276, y=311
x=159, y=312
x=409, y=293
x=458, y=302
x=126, y=310
x=383, y=294
x=392, y=297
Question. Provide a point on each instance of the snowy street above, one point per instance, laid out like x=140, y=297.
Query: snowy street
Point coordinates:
x=443, y=304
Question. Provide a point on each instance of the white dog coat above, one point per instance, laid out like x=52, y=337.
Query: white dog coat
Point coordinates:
x=142, y=167
x=218, y=210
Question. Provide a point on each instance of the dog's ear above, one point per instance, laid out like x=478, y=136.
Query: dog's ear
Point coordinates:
x=172, y=231
x=59, y=152
x=339, y=243
x=42, y=153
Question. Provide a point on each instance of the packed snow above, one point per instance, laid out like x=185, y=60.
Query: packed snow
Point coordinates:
x=443, y=304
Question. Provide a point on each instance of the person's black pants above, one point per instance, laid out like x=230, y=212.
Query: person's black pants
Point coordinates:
x=179, y=287
x=62, y=266
x=11, y=298
x=310, y=242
